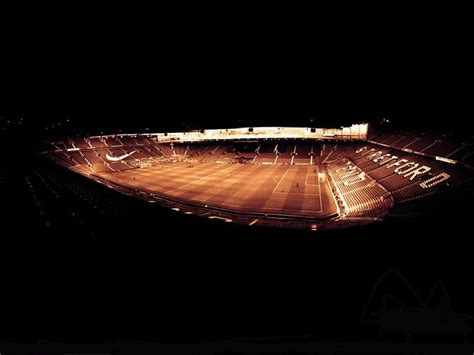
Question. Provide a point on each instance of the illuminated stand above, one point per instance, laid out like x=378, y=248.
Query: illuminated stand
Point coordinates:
x=354, y=132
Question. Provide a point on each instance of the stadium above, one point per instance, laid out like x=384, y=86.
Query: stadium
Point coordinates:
x=291, y=177
x=285, y=181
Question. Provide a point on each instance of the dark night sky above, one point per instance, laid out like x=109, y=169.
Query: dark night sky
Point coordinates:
x=174, y=70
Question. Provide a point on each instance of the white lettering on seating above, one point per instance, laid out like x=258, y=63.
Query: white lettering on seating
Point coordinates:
x=385, y=156
x=385, y=161
x=435, y=180
x=397, y=163
x=368, y=151
x=405, y=168
x=420, y=171
x=375, y=155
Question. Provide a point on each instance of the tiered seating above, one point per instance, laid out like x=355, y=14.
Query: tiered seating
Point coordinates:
x=380, y=172
x=317, y=154
x=128, y=141
x=97, y=163
x=443, y=147
x=462, y=152
x=422, y=142
x=112, y=142
x=303, y=150
x=364, y=197
x=338, y=151
x=56, y=146
x=406, y=139
x=351, y=151
x=200, y=150
x=223, y=154
x=155, y=150
x=180, y=148
x=368, y=165
x=141, y=153
x=246, y=149
x=368, y=201
x=405, y=190
x=81, y=143
x=285, y=150
x=97, y=143
x=165, y=149
x=69, y=144
x=413, y=191
x=266, y=152
x=326, y=151
x=149, y=151
x=389, y=139
x=119, y=165
x=91, y=157
x=62, y=159
x=142, y=140
x=212, y=153
x=395, y=181
x=431, y=201
x=373, y=168
x=447, y=146
x=77, y=157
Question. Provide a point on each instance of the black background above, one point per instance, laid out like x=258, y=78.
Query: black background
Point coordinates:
x=166, y=278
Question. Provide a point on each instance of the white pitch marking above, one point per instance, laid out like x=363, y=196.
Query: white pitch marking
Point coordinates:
x=319, y=189
x=297, y=193
x=276, y=177
x=279, y=182
x=228, y=220
x=306, y=181
x=253, y=222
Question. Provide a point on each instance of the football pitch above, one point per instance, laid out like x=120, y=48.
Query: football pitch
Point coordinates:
x=299, y=190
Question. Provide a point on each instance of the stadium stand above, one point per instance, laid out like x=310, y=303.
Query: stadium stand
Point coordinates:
x=81, y=143
x=285, y=150
x=303, y=151
x=326, y=152
x=142, y=140
x=443, y=147
x=66, y=144
x=421, y=142
x=448, y=146
x=362, y=195
x=266, y=152
x=179, y=148
x=97, y=142
x=78, y=157
x=112, y=142
x=62, y=159
x=398, y=173
x=128, y=140
x=165, y=149
x=334, y=153
x=407, y=139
